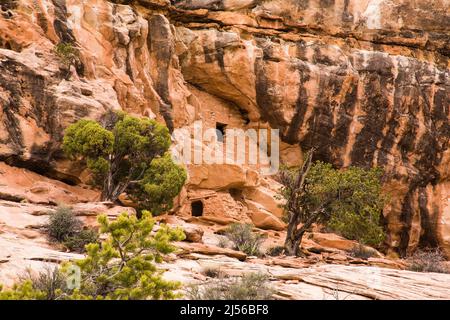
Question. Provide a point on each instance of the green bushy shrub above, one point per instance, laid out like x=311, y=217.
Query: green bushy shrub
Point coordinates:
x=63, y=224
x=244, y=239
x=275, y=251
x=120, y=268
x=128, y=155
x=348, y=201
x=64, y=227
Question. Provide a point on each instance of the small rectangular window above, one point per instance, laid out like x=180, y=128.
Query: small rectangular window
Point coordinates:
x=221, y=129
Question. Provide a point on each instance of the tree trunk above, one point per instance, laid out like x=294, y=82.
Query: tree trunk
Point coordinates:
x=293, y=241
x=294, y=234
x=292, y=246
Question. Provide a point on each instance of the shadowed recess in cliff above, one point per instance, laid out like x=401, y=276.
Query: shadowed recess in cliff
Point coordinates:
x=8, y=5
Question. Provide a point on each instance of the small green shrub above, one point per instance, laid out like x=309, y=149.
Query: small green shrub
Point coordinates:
x=275, y=251
x=51, y=282
x=63, y=224
x=122, y=267
x=253, y=286
x=223, y=242
x=64, y=227
x=362, y=252
x=428, y=260
x=212, y=272
x=67, y=53
x=244, y=239
x=22, y=291
x=79, y=240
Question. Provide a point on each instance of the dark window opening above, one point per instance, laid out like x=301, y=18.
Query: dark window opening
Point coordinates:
x=221, y=129
x=236, y=194
x=197, y=208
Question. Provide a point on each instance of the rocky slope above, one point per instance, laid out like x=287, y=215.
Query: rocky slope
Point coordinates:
x=328, y=272
x=366, y=82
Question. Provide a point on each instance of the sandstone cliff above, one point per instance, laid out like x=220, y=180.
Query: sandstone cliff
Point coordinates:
x=366, y=82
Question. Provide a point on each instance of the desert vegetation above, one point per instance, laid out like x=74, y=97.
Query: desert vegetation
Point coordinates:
x=427, y=260
x=245, y=239
x=348, y=201
x=252, y=286
x=64, y=227
x=362, y=252
x=120, y=267
x=67, y=53
x=128, y=154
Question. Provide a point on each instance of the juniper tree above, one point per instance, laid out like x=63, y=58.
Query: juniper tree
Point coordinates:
x=348, y=201
x=121, y=267
x=127, y=154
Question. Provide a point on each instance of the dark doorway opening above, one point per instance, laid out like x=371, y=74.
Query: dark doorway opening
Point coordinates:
x=221, y=129
x=197, y=208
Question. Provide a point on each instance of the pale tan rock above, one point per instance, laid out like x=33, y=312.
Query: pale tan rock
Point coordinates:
x=215, y=206
x=323, y=282
x=262, y=218
x=193, y=233
x=332, y=240
x=209, y=250
x=216, y=176
x=24, y=184
x=291, y=155
x=267, y=198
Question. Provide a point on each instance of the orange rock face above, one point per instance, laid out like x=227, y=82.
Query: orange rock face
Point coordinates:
x=365, y=82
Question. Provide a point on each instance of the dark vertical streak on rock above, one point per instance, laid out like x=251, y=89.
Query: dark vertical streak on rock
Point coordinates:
x=320, y=124
x=128, y=67
x=301, y=105
x=388, y=140
x=428, y=222
x=266, y=94
x=44, y=111
x=345, y=117
x=428, y=150
x=209, y=55
x=159, y=44
x=377, y=77
x=219, y=52
x=63, y=32
x=347, y=17
x=406, y=218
